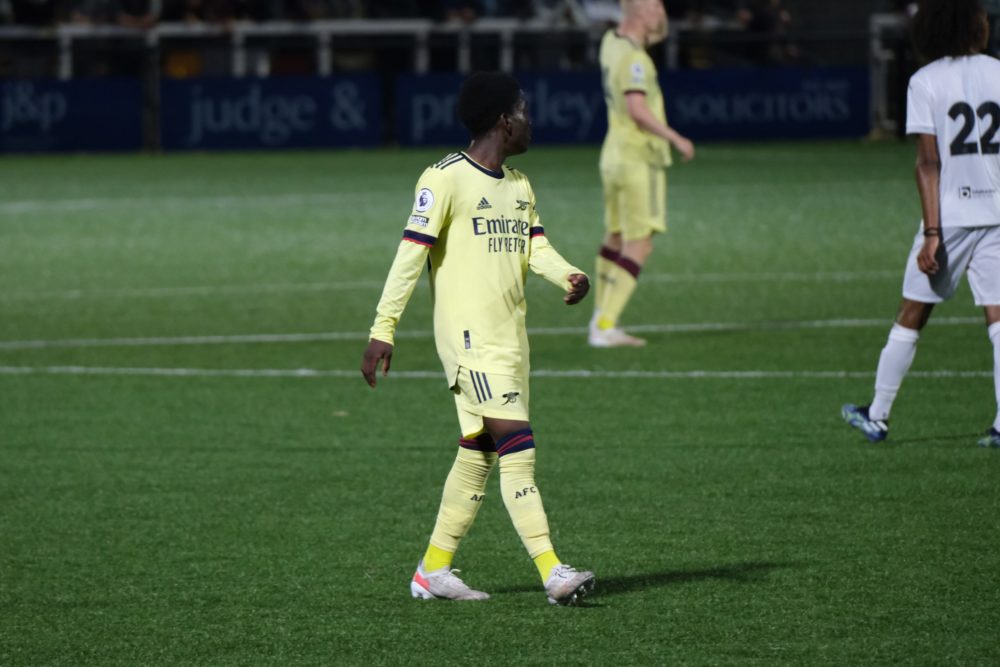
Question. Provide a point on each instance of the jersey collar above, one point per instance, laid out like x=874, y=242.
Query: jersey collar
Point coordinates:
x=488, y=172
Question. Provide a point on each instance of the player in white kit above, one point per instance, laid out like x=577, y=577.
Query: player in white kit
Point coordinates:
x=953, y=108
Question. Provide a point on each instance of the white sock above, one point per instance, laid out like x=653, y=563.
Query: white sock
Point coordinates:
x=994, y=332
x=897, y=355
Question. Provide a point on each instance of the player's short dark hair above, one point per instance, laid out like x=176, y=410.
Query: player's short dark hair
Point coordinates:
x=949, y=28
x=484, y=97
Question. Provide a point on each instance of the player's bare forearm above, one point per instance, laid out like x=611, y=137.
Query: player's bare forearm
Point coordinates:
x=579, y=285
x=928, y=183
x=683, y=145
x=647, y=122
x=377, y=353
x=928, y=175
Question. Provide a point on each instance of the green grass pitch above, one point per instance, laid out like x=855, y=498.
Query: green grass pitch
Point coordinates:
x=173, y=493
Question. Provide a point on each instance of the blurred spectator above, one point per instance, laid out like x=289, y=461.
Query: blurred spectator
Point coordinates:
x=467, y=11
x=768, y=21
x=310, y=10
x=141, y=14
x=564, y=12
x=459, y=11
x=198, y=11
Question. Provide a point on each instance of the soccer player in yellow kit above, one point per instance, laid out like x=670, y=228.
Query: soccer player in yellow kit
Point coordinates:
x=475, y=226
x=634, y=158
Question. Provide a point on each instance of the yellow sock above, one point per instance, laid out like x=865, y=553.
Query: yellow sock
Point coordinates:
x=523, y=501
x=436, y=558
x=604, y=268
x=545, y=562
x=616, y=295
x=461, y=498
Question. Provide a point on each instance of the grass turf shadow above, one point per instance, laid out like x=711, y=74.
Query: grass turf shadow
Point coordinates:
x=750, y=572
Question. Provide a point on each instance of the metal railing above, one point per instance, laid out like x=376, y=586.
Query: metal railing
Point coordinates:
x=323, y=34
x=327, y=36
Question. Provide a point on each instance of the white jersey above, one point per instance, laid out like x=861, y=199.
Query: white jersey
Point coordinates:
x=958, y=101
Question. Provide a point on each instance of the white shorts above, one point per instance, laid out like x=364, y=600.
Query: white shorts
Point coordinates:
x=975, y=250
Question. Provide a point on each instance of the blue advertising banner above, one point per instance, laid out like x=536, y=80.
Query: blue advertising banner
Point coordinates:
x=425, y=110
x=565, y=107
x=769, y=103
x=81, y=115
x=568, y=107
x=347, y=110
x=280, y=112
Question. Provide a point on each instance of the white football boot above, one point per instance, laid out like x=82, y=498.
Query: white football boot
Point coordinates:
x=614, y=337
x=567, y=586
x=442, y=584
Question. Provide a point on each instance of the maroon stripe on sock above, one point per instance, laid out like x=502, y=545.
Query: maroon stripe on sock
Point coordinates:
x=514, y=442
x=629, y=266
x=608, y=253
x=481, y=443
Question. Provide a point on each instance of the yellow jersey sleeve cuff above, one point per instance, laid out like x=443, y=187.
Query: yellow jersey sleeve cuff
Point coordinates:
x=384, y=329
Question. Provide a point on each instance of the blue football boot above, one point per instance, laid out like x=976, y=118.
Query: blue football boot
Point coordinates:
x=991, y=439
x=875, y=430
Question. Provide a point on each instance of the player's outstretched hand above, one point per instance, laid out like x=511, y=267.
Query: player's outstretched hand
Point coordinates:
x=927, y=259
x=377, y=352
x=579, y=286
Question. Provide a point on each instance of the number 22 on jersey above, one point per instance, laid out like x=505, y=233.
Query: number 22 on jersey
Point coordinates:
x=961, y=145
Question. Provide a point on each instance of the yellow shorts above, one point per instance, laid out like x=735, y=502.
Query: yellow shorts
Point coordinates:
x=635, y=199
x=479, y=395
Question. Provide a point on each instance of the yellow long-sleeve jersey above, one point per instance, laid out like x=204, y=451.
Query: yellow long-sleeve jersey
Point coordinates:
x=479, y=233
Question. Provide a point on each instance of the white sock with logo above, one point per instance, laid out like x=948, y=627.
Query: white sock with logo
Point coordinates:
x=895, y=361
x=994, y=332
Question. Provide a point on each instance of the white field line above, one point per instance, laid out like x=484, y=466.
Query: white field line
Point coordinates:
x=192, y=290
x=784, y=276
x=693, y=327
x=581, y=374
x=25, y=206
x=28, y=206
x=283, y=288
